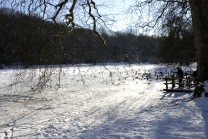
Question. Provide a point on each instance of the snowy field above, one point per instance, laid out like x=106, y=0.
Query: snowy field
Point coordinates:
x=97, y=102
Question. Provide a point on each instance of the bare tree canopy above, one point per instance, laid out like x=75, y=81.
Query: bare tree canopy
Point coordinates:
x=73, y=13
x=70, y=11
x=194, y=11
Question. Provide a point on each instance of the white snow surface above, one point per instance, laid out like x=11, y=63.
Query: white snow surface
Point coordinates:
x=98, y=102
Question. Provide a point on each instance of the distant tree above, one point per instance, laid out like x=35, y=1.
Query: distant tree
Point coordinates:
x=26, y=39
x=177, y=37
x=190, y=9
x=82, y=45
x=198, y=10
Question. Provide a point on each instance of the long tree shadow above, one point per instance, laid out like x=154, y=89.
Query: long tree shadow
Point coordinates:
x=202, y=104
x=183, y=120
x=168, y=119
x=16, y=113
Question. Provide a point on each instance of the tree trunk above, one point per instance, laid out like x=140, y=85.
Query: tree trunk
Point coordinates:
x=199, y=11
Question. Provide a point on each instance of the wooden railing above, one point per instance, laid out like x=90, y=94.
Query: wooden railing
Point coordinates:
x=184, y=86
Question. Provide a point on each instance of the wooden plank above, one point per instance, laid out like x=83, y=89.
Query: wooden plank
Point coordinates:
x=187, y=82
x=173, y=83
x=178, y=90
x=178, y=83
x=175, y=78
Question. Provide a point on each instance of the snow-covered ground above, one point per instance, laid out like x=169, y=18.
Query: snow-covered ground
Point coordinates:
x=98, y=102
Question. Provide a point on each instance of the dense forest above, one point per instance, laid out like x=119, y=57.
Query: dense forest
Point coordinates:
x=30, y=40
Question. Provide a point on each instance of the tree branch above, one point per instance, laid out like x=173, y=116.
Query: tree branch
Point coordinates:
x=89, y=2
x=60, y=5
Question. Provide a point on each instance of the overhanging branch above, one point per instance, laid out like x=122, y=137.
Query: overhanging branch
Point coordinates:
x=89, y=2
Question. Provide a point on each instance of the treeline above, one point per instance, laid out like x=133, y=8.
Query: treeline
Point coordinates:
x=26, y=40
x=29, y=40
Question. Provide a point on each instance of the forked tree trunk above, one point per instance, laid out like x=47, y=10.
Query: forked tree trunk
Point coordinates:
x=199, y=11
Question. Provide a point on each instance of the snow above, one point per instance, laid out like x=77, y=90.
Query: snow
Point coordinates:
x=92, y=102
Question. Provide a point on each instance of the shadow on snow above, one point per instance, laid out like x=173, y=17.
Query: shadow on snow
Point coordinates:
x=172, y=118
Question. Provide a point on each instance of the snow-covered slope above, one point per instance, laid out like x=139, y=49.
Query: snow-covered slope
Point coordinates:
x=93, y=102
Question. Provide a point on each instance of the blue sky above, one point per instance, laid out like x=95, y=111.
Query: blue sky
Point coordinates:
x=124, y=19
x=117, y=9
x=110, y=9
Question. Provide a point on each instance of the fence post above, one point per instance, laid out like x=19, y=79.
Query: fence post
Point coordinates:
x=166, y=82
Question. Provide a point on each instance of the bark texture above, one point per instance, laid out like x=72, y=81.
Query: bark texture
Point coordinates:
x=199, y=11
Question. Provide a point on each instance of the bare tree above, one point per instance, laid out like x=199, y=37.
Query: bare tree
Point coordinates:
x=193, y=10
x=66, y=9
x=199, y=10
x=66, y=14
x=71, y=13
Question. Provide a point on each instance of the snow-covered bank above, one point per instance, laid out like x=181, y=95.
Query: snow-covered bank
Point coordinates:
x=114, y=101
